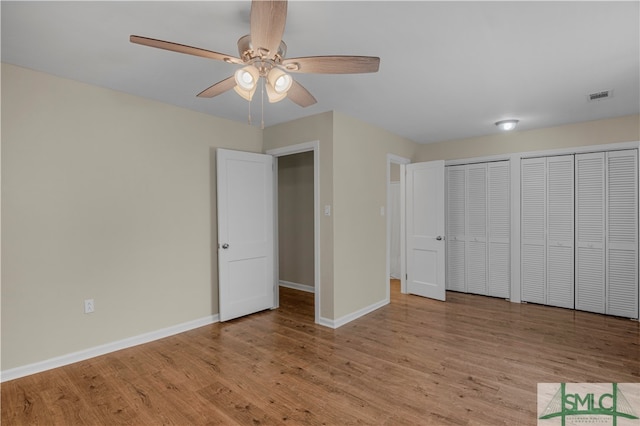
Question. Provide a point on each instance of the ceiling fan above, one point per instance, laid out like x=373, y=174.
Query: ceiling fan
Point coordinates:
x=262, y=54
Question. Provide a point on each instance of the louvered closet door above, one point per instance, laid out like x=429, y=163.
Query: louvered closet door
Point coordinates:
x=476, y=211
x=456, y=183
x=533, y=225
x=622, y=234
x=590, y=232
x=560, y=228
x=499, y=208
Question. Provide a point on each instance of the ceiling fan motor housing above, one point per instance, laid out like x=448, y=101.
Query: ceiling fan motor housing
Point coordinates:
x=248, y=52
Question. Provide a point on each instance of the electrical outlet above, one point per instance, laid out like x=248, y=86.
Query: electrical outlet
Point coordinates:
x=88, y=306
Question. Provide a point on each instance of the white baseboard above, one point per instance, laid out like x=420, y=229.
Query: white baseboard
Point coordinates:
x=352, y=316
x=26, y=370
x=296, y=286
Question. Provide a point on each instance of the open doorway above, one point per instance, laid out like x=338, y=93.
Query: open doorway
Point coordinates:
x=297, y=220
x=395, y=222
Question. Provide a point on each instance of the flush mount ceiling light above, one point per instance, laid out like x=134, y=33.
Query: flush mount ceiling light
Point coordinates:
x=507, y=125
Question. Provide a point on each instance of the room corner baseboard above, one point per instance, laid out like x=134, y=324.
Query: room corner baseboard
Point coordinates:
x=352, y=316
x=38, y=367
x=296, y=286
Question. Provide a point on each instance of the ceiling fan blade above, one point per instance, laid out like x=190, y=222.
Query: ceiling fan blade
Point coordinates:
x=181, y=48
x=299, y=95
x=218, y=88
x=332, y=64
x=268, y=18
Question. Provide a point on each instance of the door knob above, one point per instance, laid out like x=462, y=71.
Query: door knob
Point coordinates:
x=225, y=246
x=439, y=238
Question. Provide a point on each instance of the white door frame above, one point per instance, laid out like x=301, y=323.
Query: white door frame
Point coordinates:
x=313, y=146
x=396, y=159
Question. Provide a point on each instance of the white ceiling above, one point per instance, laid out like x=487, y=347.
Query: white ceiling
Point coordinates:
x=448, y=70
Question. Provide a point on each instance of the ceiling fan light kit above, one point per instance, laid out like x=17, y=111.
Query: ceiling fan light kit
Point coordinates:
x=262, y=54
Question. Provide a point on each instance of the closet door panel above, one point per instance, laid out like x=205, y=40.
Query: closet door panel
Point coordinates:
x=560, y=283
x=476, y=267
x=456, y=228
x=533, y=273
x=590, y=294
x=456, y=271
x=499, y=284
x=560, y=230
x=499, y=230
x=622, y=234
x=533, y=226
x=589, y=232
x=476, y=215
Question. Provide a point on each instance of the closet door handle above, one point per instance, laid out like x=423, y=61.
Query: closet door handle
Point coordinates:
x=439, y=238
x=225, y=246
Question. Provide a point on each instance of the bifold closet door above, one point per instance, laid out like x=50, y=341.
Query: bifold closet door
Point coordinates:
x=499, y=230
x=456, y=228
x=547, y=223
x=621, y=245
x=533, y=227
x=560, y=228
x=607, y=233
x=476, y=220
x=590, y=232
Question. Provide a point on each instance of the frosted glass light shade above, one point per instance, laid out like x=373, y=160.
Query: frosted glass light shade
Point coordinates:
x=246, y=81
x=506, y=125
x=278, y=84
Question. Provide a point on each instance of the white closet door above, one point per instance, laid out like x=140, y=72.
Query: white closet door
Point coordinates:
x=533, y=226
x=622, y=234
x=476, y=212
x=499, y=230
x=590, y=231
x=560, y=228
x=456, y=228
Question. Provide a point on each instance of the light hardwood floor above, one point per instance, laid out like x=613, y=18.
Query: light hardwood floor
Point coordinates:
x=472, y=360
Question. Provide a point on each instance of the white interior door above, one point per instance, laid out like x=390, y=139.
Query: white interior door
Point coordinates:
x=425, y=229
x=246, y=278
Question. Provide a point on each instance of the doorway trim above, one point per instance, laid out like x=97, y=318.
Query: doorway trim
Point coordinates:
x=402, y=161
x=313, y=146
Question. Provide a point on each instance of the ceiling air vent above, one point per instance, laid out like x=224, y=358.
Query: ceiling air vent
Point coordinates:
x=597, y=96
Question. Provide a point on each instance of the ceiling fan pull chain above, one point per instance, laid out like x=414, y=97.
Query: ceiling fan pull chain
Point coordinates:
x=262, y=102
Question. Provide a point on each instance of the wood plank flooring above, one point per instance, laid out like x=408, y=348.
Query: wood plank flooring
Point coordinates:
x=470, y=361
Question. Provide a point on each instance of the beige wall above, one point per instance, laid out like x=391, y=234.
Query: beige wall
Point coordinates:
x=621, y=129
x=104, y=196
x=295, y=218
x=314, y=128
x=112, y=197
x=360, y=189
